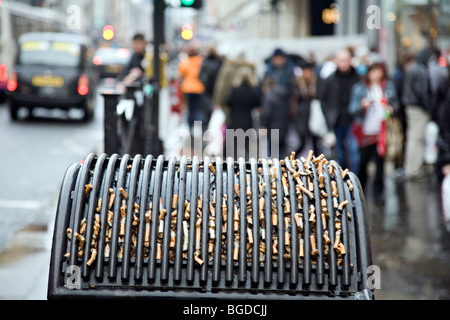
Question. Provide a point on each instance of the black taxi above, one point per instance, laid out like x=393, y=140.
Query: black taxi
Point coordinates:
x=51, y=71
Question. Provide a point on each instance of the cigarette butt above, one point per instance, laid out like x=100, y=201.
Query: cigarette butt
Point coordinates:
x=199, y=222
x=214, y=197
x=224, y=213
x=211, y=209
x=334, y=189
x=99, y=205
x=321, y=177
x=350, y=185
x=324, y=221
x=273, y=172
x=250, y=235
x=92, y=258
x=212, y=169
x=301, y=249
x=285, y=186
x=343, y=204
x=87, y=188
x=337, y=239
x=274, y=248
x=111, y=198
x=331, y=169
x=286, y=238
x=147, y=235
x=123, y=192
x=236, y=189
x=326, y=237
x=342, y=248
x=307, y=192
x=262, y=188
x=292, y=156
x=312, y=239
x=174, y=213
x=344, y=173
x=287, y=205
x=235, y=253
x=274, y=219
x=174, y=201
x=197, y=259
x=158, y=251
x=261, y=203
x=298, y=221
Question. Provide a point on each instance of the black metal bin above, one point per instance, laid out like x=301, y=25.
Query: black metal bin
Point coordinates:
x=148, y=227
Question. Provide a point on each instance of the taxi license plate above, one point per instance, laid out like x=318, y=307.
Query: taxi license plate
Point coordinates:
x=47, y=81
x=113, y=68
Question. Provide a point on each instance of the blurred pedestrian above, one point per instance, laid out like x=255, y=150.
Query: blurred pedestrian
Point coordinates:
x=416, y=98
x=224, y=81
x=371, y=99
x=281, y=69
x=134, y=69
x=192, y=87
x=444, y=135
x=335, y=98
x=308, y=85
x=275, y=114
x=208, y=74
x=244, y=97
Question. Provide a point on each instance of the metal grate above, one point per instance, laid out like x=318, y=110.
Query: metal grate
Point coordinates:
x=150, y=227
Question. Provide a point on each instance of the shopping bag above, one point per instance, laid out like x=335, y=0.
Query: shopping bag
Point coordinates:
x=446, y=201
x=382, y=139
x=317, y=123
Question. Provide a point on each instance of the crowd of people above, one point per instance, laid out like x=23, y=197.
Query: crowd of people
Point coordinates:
x=369, y=116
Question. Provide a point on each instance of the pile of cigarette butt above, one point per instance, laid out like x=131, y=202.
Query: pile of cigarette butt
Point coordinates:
x=298, y=173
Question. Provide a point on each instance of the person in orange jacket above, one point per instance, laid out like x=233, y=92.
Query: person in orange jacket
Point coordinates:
x=192, y=87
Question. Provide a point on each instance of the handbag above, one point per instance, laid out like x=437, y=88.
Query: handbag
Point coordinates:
x=382, y=139
x=317, y=123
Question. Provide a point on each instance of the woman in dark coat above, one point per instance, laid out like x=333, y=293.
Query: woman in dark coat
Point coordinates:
x=243, y=98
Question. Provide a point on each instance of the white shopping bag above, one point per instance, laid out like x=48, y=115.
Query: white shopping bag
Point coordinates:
x=317, y=123
x=446, y=201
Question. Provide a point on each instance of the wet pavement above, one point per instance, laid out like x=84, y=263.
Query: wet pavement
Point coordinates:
x=409, y=241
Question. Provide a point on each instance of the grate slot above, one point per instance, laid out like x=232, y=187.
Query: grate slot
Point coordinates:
x=121, y=181
x=192, y=220
x=341, y=193
x=230, y=204
x=242, y=222
x=91, y=209
x=280, y=229
x=268, y=222
x=255, y=219
x=109, y=177
x=332, y=260
x=131, y=208
x=293, y=228
x=217, y=261
x=167, y=219
x=157, y=185
x=306, y=231
x=79, y=203
x=180, y=220
x=319, y=229
x=144, y=208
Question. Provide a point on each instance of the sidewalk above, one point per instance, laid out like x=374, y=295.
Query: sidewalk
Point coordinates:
x=24, y=264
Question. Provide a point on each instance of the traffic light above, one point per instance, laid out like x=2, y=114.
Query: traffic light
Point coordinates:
x=187, y=32
x=196, y=4
x=108, y=32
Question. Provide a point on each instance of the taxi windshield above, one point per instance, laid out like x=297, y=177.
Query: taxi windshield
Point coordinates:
x=56, y=53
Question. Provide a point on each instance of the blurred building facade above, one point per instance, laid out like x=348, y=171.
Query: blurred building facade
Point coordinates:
x=390, y=27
